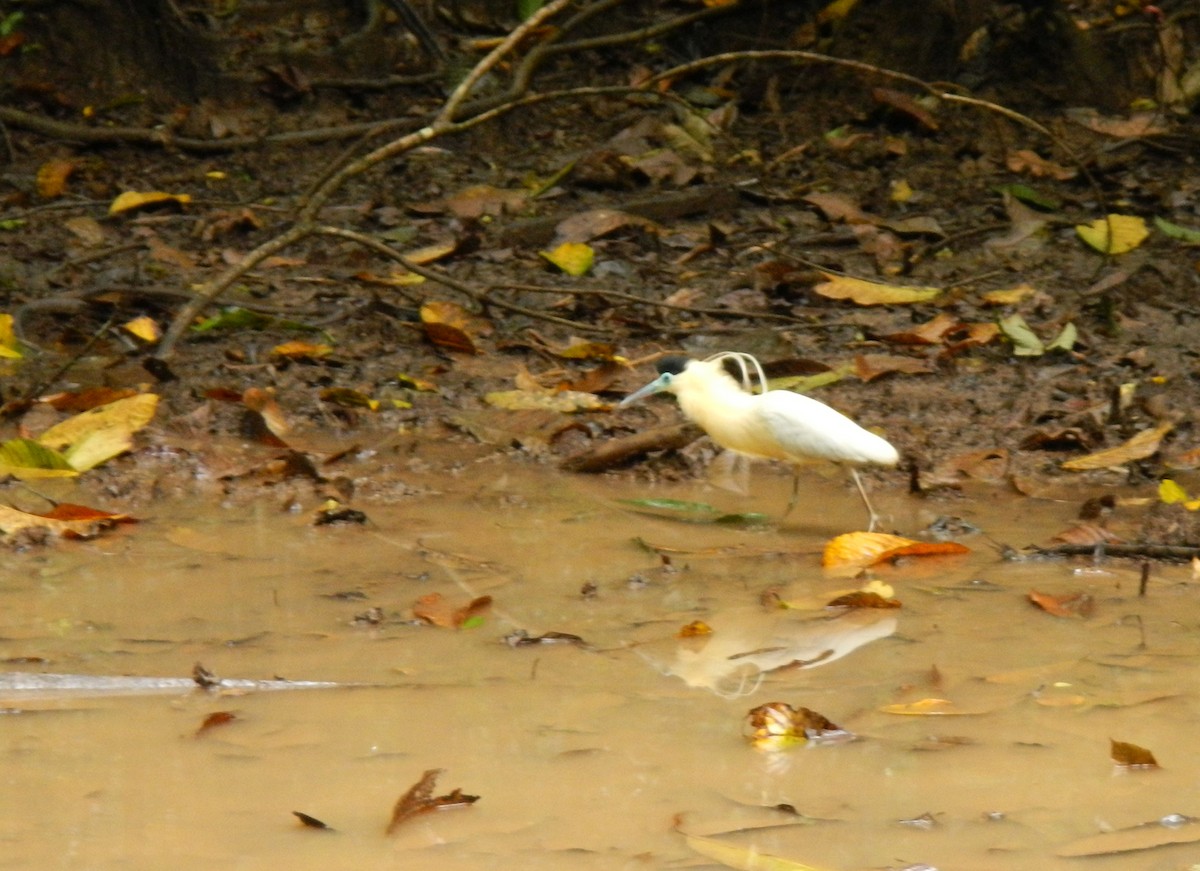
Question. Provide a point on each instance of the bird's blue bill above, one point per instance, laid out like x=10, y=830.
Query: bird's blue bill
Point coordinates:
x=658, y=385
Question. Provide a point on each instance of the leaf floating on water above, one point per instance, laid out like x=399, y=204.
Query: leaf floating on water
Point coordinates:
x=436, y=610
x=778, y=726
x=742, y=857
x=927, y=708
x=311, y=822
x=695, y=629
x=1131, y=755
x=1068, y=605
x=216, y=718
x=420, y=799
x=65, y=519
x=693, y=512
x=1171, y=829
x=859, y=550
x=863, y=599
x=521, y=638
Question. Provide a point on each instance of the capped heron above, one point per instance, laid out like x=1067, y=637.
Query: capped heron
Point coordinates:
x=771, y=424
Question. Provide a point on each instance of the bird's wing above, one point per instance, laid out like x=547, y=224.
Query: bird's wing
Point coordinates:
x=805, y=429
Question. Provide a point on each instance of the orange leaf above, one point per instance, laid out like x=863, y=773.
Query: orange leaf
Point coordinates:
x=1070, y=605
x=858, y=550
x=52, y=178
x=695, y=629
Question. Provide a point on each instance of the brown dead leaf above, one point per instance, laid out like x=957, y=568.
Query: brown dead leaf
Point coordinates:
x=1144, y=444
x=932, y=332
x=1026, y=161
x=216, y=718
x=595, y=223
x=267, y=412
x=1067, y=605
x=838, y=208
x=905, y=104
x=480, y=200
x=1086, y=533
x=437, y=610
x=863, y=599
x=1131, y=755
x=449, y=325
x=82, y=400
x=420, y=799
x=868, y=367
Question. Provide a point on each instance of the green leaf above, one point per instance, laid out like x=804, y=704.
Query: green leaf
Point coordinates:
x=1025, y=341
x=1031, y=196
x=694, y=512
x=1175, y=231
x=673, y=508
x=526, y=8
x=1065, y=340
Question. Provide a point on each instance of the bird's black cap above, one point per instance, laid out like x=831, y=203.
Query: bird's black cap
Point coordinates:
x=673, y=364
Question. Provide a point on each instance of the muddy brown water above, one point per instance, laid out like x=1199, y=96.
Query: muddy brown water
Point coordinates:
x=584, y=757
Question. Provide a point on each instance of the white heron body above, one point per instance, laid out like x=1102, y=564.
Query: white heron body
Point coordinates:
x=772, y=425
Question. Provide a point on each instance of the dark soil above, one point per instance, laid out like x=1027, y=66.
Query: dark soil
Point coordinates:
x=729, y=233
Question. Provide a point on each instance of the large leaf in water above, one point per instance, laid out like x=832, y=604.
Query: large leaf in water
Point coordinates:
x=693, y=512
x=25, y=458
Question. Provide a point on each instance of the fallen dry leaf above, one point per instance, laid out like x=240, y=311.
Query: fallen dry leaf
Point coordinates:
x=1068, y=605
x=1144, y=444
x=419, y=799
x=872, y=292
x=449, y=325
x=1131, y=755
x=437, y=610
x=858, y=550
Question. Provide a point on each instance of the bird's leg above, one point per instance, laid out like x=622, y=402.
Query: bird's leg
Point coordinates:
x=795, y=492
x=867, y=502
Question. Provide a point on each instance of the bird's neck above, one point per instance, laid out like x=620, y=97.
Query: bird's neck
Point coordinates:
x=715, y=403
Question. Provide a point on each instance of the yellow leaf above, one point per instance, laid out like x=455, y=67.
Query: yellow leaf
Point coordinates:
x=573, y=258
x=8, y=341
x=132, y=200
x=298, y=350
x=925, y=708
x=100, y=433
x=744, y=858
x=1170, y=493
x=566, y=401
x=902, y=191
x=872, y=293
x=1142, y=445
x=1128, y=232
x=52, y=178
x=1010, y=296
x=860, y=549
x=145, y=328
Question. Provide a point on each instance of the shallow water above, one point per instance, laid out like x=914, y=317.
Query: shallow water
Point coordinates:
x=586, y=757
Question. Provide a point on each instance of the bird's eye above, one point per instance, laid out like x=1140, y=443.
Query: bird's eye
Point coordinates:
x=666, y=378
